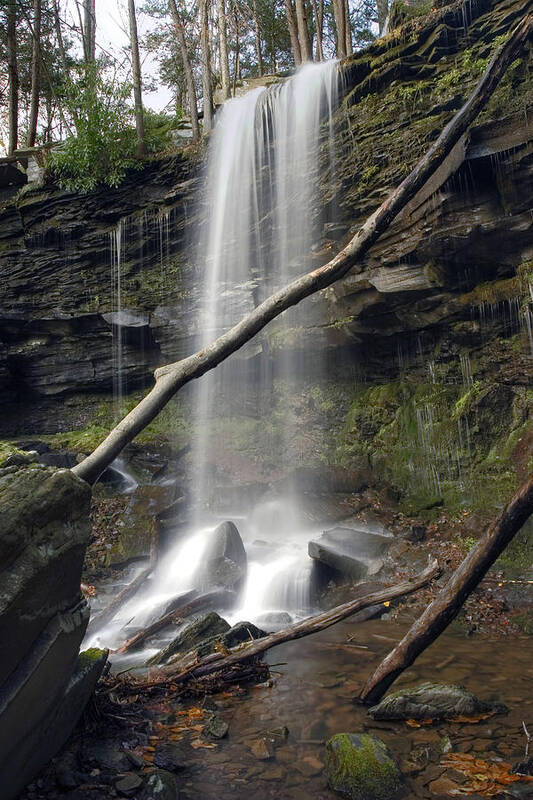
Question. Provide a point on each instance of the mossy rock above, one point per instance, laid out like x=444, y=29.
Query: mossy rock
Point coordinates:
x=360, y=767
x=433, y=701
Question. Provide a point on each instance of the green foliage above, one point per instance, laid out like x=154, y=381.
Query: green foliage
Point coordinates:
x=158, y=131
x=103, y=148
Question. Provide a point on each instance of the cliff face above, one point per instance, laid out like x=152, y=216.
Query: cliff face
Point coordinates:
x=437, y=325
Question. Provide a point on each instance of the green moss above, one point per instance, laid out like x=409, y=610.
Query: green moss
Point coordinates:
x=88, y=657
x=524, y=622
x=360, y=767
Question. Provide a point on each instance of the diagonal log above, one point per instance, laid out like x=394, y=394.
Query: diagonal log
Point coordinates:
x=189, y=666
x=448, y=602
x=170, y=378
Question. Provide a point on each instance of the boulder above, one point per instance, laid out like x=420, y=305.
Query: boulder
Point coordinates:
x=225, y=560
x=360, y=767
x=44, y=685
x=433, y=701
x=204, y=633
x=226, y=542
x=353, y=552
x=199, y=634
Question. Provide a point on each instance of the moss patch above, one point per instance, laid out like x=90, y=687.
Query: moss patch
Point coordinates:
x=360, y=767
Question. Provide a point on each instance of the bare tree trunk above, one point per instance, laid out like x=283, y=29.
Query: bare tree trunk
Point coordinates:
x=257, y=32
x=303, y=31
x=89, y=31
x=171, y=378
x=187, y=69
x=35, y=74
x=59, y=38
x=383, y=11
x=449, y=601
x=237, y=66
x=293, y=32
x=318, y=13
x=12, y=68
x=207, y=88
x=348, y=28
x=339, y=11
x=223, y=45
x=137, y=79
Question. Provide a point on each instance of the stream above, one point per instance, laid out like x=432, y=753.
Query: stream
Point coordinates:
x=314, y=681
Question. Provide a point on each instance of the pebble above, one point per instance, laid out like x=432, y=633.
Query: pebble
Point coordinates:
x=262, y=749
x=128, y=784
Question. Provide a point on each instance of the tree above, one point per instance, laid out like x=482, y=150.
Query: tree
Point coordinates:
x=318, y=13
x=187, y=69
x=339, y=11
x=13, y=75
x=257, y=31
x=137, y=79
x=303, y=31
x=207, y=88
x=35, y=74
x=89, y=31
x=223, y=46
x=293, y=30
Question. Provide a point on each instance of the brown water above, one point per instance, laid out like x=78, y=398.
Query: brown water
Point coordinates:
x=312, y=695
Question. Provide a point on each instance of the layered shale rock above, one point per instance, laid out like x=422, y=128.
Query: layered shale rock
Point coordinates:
x=44, y=684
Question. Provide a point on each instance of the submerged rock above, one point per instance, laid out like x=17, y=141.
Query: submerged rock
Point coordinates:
x=433, y=701
x=217, y=728
x=160, y=785
x=352, y=552
x=360, y=767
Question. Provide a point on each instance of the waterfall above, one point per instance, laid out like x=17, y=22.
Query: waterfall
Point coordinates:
x=262, y=217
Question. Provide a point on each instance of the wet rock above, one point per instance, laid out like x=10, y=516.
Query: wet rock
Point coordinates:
x=225, y=559
x=128, y=784
x=170, y=756
x=44, y=529
x=432, y=701
x=67, y=772
x=160, y=785
x=360, y=767
x=106, y=755
x=242, y=632
x=262, y=749
x=416, y=534
x=280, y=734
x=443, y=786
x=21, y=458
x=523, y=767
x=216, y=727
x=199, y=634
x=354, y=553
x=309, y=766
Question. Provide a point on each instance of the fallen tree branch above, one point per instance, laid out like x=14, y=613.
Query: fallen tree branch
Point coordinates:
x=190, y=666
x=171, y=378
x=175, y=618
x=107, y=614
x=448, y=602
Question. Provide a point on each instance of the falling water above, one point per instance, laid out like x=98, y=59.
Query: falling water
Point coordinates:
x=262, y=218
x=261, y=210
